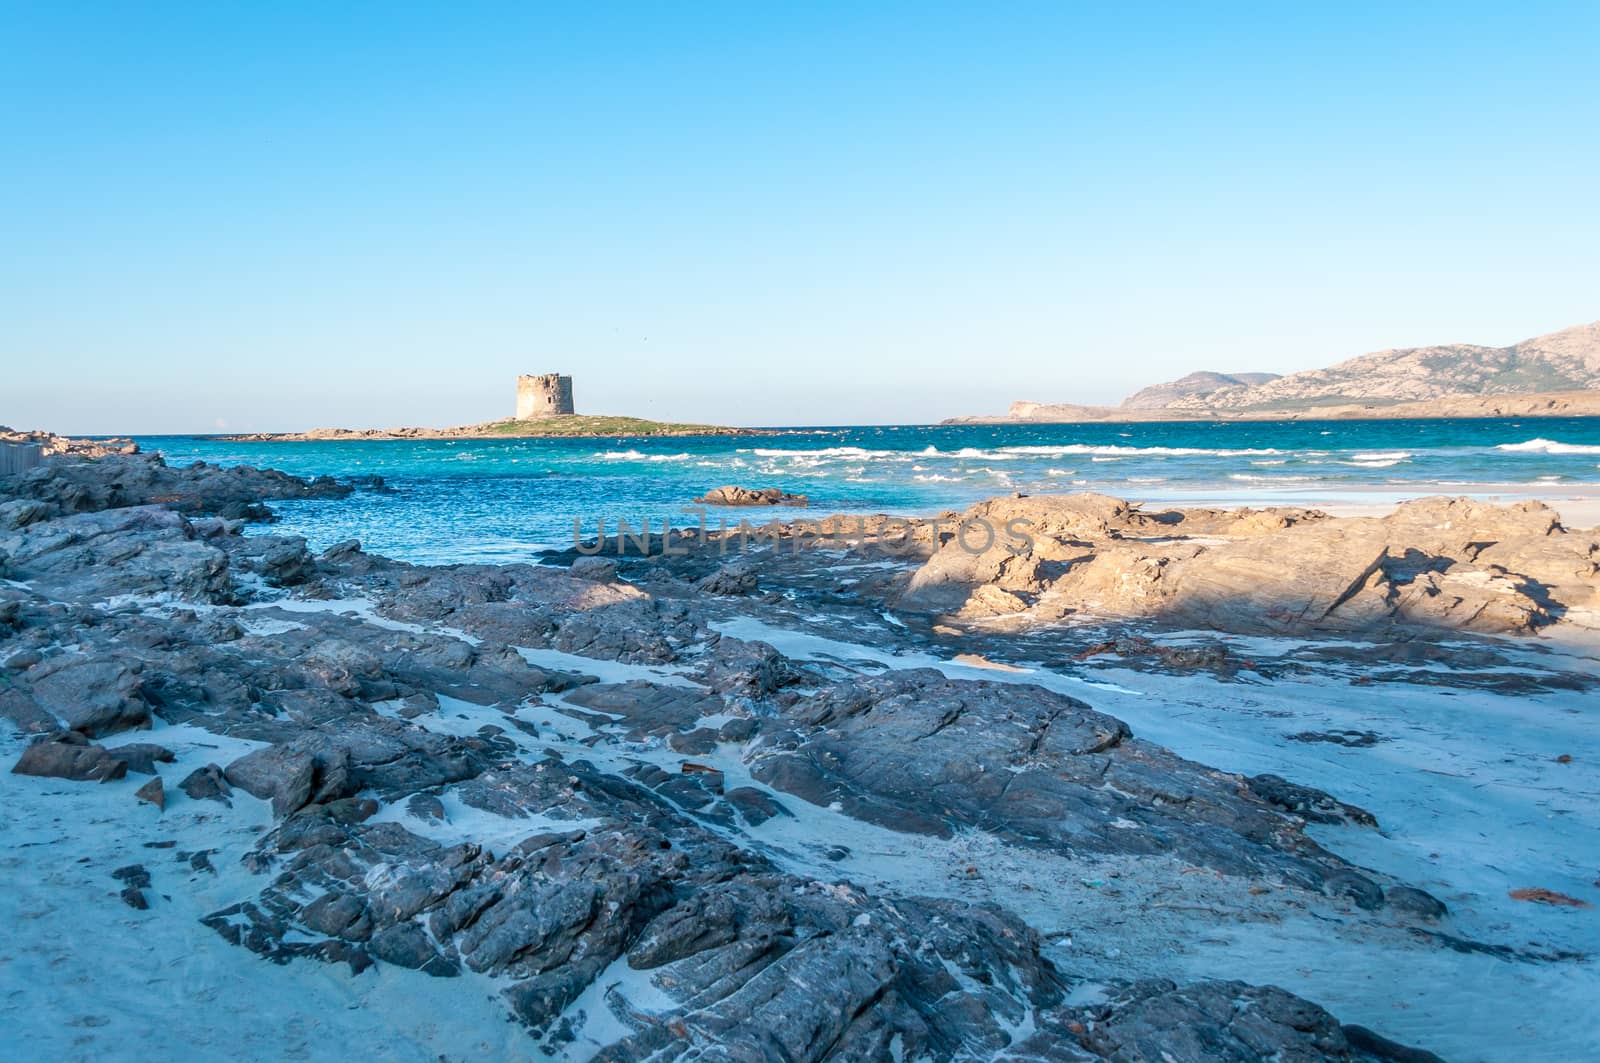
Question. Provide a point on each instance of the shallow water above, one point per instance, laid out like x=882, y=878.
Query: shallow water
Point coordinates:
x=502, y=500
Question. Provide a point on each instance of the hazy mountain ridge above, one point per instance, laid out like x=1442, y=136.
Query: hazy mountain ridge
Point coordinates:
x=1205, y=382
x=1568, y=360
x=1554, y=375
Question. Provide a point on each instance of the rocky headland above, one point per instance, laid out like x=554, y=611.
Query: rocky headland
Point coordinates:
x=597, y=790
x=1556, y=375
x=52, y=444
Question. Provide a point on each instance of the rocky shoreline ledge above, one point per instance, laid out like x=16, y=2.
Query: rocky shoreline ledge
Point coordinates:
x=571, y=784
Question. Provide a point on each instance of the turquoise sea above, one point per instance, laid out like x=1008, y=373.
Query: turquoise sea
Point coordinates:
x=502, y=500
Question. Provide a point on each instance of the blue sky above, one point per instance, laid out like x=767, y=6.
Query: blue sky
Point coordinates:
x=286, y=215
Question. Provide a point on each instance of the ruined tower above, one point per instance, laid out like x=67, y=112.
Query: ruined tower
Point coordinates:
x=546, y=395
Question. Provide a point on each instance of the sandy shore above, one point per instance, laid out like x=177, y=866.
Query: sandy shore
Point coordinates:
x=445, y=797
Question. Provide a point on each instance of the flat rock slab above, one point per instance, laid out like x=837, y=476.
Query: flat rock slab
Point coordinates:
x=915, y=751
x=647, y=708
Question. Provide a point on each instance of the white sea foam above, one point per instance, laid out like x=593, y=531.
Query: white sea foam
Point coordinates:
x=1002, y=454
x=1547, y=446
x=634, y=455
x=1249, y=477
x=1379, y=459
x=1121, y=451
x=828, y=452
x=1103, y=450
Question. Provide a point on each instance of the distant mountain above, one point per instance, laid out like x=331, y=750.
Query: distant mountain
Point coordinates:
x=1557, y=375
x=1505, y=404
x=1563, y=361
x=1159, y=396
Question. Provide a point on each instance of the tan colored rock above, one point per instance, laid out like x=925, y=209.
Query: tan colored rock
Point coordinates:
x=53, y=444
x=989, y=600
x=153, y=792
x=1436, y=562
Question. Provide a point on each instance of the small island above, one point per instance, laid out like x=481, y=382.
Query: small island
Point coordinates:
x=545, y=410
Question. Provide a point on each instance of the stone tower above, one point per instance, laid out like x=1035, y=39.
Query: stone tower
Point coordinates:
x=547, y=395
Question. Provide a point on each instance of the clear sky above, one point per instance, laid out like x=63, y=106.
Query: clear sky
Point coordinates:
x=281, y=215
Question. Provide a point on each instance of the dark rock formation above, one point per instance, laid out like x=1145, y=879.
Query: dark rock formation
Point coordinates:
x=733, y=495
x=207, y=784
x=68, y=755
x=70, y=484
x=915, y=751
x=441, y=804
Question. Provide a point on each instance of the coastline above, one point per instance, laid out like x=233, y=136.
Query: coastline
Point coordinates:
x=1452, y=408
x=1251, y=717
x=525, y=494
x=796, y=749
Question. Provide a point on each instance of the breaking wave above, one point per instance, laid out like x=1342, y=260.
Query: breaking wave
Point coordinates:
x=634, y=455
x=1547, y=446
x=1379, y=460
x=826, y=452
x=1122, y=451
